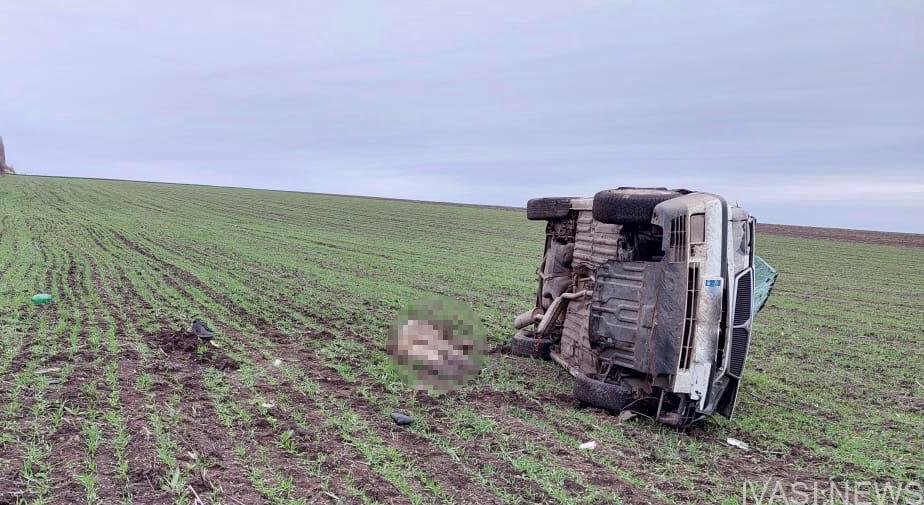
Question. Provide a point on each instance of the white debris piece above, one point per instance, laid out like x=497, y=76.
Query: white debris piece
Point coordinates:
x=277, y=363
x=589, y=445
x=734, y=442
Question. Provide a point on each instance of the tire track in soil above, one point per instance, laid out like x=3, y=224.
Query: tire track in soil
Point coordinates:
x=67, y=446
x=140, y=451
x=7, y=265
x=189, y=278
x=117, y=487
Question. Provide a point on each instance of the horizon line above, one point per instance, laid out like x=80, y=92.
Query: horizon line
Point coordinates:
x=388, y=198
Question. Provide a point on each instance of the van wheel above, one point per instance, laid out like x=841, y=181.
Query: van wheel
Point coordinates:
x=602, y=395
x=529, y=347
x=539, y=209
x=629, y=205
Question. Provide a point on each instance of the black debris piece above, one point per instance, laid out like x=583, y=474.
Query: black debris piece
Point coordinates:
x=401, y=419
x=202, y=330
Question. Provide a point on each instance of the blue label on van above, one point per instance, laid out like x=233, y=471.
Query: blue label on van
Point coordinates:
x=713, y=283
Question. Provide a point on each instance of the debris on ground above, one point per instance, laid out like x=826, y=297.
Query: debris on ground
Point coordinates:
x=589, y=445
x=625, y=415
x=277, y=363
x=401, y=419
x=734, y=442
x=176, y=341
x=202, y=330
x=42, y=299
x=43, y=371
x=186, y=343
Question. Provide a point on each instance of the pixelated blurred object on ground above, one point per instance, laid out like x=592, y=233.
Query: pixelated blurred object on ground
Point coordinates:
x=438, y=344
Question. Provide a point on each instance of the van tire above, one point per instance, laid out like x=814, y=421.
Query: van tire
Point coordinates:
x=529, y=347
x=539, y=209
x=602, y=395
x=629, y=205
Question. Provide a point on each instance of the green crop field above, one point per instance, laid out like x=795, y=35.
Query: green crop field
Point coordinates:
x=101, y=404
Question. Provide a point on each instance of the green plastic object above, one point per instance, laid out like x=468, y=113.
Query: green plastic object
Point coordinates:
x=764, y=278
x=42, y=299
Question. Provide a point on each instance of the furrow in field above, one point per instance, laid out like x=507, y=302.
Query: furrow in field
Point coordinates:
x=263, y=437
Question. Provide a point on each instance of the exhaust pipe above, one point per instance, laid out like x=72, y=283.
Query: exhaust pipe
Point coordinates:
x=527, y=318
x=555, y=309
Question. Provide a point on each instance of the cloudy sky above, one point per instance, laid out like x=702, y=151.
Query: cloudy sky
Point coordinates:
x=804, y=112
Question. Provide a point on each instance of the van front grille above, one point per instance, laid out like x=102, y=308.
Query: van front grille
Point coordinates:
x=739, y=349
x=743, y=300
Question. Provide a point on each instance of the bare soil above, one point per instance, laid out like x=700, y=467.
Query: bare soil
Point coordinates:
x=843, y=234
x=185, y=343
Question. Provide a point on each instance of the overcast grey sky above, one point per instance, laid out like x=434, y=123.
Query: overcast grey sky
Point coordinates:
x=804, y=112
